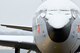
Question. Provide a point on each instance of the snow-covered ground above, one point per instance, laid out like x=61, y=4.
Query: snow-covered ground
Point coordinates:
x=21, y=38
x=4, y=49
x=16, y=38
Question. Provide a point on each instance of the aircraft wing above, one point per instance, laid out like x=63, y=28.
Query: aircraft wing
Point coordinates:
x=24, y=42
x=18, y=27
x=18, y=41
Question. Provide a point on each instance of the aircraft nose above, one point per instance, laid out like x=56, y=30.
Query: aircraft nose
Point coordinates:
x=59, y=28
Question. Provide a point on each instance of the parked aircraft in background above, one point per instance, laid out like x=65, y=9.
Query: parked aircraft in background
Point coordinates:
x=56, y=29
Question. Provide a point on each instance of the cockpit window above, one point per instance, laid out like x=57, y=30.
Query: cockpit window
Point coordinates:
x=64, y=12
x=51, y=13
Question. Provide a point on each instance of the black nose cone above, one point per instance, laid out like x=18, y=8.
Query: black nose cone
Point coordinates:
x=59, y=35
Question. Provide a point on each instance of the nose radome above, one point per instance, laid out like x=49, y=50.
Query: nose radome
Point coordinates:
x=59, y=27
x=58, y=21
x=59, y=34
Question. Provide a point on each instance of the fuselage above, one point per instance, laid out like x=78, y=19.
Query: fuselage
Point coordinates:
x=53, y=27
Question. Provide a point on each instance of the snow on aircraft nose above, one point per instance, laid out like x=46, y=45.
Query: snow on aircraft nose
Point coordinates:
x=58, y=19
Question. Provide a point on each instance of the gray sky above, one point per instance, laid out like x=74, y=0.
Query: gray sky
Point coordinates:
x=18, y=12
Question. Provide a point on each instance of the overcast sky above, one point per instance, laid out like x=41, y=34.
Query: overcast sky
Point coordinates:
x=17, y=12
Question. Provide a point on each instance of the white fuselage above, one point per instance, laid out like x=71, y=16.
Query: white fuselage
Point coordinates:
x=56, y=15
